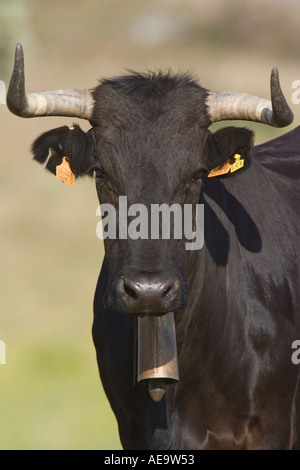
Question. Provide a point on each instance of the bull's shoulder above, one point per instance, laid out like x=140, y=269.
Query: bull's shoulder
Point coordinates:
x=282, y=154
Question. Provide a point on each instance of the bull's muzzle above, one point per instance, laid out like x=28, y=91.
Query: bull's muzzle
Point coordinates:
x=144, y=293
x=157, y=353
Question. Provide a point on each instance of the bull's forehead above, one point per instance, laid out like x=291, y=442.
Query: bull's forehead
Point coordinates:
x=136, y=103
x=151, y=133
x=141, y=156
x=149, y=130
x=152, y=96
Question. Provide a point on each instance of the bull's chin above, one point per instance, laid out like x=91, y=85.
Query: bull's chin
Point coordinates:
x=111, y=303
x=151, y=314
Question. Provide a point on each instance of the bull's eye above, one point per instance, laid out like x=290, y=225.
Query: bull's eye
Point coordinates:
x=99, y=173
x=199, y=174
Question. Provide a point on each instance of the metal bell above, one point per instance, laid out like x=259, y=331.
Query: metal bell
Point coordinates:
x=157, y=353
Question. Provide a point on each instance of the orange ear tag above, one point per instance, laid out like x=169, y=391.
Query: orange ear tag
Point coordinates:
x=64, y=172
x=220, y=170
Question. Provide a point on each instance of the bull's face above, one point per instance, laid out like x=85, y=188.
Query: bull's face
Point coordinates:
x=152, y=146
x=150, y=152
x=149, y=142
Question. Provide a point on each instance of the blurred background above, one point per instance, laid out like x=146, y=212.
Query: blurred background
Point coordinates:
x=50, y=393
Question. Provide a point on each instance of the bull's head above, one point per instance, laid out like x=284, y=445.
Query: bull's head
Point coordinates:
x=149, y=141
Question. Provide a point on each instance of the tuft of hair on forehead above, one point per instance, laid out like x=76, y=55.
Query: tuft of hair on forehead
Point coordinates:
x=151, y=84
x=122, y=100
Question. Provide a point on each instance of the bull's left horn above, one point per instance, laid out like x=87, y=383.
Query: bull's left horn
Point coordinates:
x=69, y=102
x=227, y=106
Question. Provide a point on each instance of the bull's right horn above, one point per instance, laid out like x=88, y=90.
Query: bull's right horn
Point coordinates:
x=69, y=102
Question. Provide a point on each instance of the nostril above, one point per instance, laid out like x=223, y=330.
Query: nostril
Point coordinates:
x=166, y=291
x=129, y=291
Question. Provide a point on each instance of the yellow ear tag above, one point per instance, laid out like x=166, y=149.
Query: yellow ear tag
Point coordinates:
x=238, y=163
x=220, y=170
x=227, y=167
x=64, y=172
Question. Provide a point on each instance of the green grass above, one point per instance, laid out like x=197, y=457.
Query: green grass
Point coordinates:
x=51, y=398
x=50, y=393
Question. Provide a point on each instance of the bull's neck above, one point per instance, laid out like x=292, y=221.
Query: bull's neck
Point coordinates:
x=208, y=278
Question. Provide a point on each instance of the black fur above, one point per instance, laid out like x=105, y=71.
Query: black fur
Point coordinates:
x=225, y=143
x=151, y=84
x=152, y=94
x=74, y=144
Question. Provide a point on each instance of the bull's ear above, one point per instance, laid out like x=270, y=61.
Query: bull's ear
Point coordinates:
x=73, y=143
x=225, y=143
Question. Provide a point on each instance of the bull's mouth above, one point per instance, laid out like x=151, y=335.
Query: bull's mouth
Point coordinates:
x=152, y=314
x=145, y=310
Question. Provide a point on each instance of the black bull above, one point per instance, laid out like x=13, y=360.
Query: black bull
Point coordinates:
x=236, y=300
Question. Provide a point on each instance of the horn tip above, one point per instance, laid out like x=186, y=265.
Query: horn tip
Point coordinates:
x=283, y=115
x=274, y=75
x=19, y=50
x=16, y=98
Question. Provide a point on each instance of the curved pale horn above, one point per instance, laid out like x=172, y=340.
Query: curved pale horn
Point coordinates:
x=69, y=102
x=228, y=105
